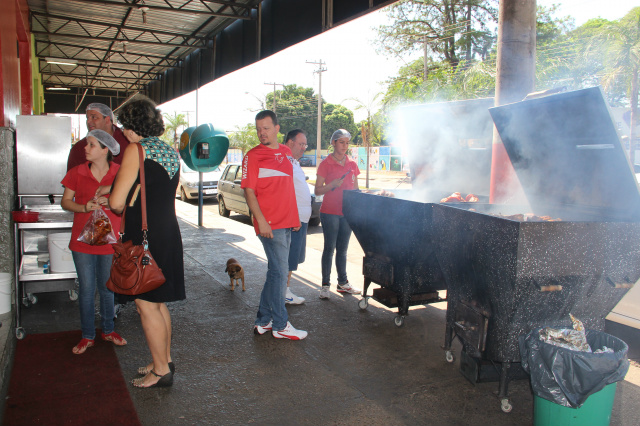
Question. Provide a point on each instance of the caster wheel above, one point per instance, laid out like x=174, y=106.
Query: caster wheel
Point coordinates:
x=363, y=303
x=26, y=302
x=399, y=321
x=505, y=405
x=20, y=333
x=33, y=299
x=73, y=295
x=448, y=355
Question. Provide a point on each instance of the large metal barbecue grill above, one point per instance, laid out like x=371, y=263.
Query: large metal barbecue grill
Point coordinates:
x=506, y=277
x=447, y=141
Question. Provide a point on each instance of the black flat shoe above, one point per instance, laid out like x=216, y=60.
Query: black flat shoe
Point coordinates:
x=164, y=382
x=143, y=370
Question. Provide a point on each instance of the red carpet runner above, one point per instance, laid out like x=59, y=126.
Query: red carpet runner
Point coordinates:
x=52, y=386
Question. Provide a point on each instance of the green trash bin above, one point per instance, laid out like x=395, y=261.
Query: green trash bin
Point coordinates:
x=596, y=410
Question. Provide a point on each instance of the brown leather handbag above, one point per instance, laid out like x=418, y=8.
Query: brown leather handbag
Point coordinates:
x=133, y=269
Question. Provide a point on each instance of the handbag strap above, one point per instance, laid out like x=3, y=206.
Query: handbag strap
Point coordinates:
x=143, y=200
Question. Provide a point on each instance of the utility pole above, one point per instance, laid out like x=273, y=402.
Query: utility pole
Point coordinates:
x=320, y=70
x=274, y=94
x=188, y=119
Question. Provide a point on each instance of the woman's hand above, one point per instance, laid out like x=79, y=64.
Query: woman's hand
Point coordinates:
x=103, y=190
x=103, y=201
x=336, y=183
x=92, y=205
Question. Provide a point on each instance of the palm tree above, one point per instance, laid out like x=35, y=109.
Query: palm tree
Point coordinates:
x=622, y=61
x=370, y=131
x=172, y=123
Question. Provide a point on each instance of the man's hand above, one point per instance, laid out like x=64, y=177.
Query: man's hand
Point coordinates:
x=264, y=228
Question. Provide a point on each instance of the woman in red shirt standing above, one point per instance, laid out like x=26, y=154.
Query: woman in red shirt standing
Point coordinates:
x=336, y=174
x=92, y=262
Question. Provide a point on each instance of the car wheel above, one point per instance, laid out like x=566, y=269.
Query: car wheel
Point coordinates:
x=222, y=209
x=315, y=221
x=183, y=195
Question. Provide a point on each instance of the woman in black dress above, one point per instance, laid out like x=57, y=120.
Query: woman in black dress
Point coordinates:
x=142, y=123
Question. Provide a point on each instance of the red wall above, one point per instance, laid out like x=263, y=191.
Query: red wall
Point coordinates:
x=15, y=73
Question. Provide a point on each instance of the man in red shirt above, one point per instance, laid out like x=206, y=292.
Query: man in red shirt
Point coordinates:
x=267, y=180
x=99, y=116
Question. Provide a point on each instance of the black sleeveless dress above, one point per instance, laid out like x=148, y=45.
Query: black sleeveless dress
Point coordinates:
x=165, y=241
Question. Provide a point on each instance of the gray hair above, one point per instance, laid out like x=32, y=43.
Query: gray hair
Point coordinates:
x=106, y=139
x=102, y=109
x=340, y=133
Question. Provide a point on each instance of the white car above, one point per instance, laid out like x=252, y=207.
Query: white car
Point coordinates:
x=189, y=181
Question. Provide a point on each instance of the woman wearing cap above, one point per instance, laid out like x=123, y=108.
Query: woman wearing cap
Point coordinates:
x=336, y=174
x=142, y=123
x=92, y=262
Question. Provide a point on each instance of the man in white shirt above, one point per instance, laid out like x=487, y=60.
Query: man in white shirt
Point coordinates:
x=296, y=140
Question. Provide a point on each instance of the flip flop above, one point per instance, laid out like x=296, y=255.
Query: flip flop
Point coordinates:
x=115, y=338
x=81, y=347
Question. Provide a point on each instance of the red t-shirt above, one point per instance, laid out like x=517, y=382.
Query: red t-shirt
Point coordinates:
x=77, y=155
x=270, y=174
x=331, y=170
x=81, y=181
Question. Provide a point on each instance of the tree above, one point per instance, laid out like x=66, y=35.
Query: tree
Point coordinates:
x=336, y=117
x=298, y=109
x=244, y=138
x=449, y=30
x=171, y=125
x=369, y=106
x=622, y=63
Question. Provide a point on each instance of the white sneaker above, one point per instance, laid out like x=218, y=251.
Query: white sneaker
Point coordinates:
x=260, y=329
x=346, y=288
x=324, y=292
x=289, y=332
x=292, y=299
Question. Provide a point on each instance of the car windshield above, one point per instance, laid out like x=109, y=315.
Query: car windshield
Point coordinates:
x=187, y=169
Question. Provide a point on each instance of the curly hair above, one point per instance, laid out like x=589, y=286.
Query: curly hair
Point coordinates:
x=142, y=116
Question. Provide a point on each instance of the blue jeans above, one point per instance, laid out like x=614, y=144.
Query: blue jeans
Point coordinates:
x=93, y=271
x=273, y=293
x=336, y=232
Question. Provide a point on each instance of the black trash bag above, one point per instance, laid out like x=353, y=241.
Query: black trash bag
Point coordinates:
x=568, y=377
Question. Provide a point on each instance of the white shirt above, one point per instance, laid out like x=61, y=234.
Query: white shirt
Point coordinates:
x=303, y=194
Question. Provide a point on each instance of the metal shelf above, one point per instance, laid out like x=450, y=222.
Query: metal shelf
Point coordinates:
x=30, y=271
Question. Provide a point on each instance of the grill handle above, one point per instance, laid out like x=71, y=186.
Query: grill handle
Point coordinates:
x=626, y=284
x=463, y=326
x=547, y=287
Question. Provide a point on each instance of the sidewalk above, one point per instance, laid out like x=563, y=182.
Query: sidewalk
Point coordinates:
x=355, y=368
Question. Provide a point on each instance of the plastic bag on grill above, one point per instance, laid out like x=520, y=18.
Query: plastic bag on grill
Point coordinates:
x=567, y=377
x=98, y=230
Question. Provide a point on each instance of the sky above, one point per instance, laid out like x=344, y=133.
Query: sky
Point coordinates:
x=353, y=68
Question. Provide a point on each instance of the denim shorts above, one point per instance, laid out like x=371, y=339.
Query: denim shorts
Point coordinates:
x=297, y=250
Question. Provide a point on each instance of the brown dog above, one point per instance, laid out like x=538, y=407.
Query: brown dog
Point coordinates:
x=235, y=271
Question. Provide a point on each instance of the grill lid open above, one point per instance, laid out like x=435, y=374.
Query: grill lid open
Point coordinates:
x=566, y=151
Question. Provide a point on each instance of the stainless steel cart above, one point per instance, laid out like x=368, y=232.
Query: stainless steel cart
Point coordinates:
x=31, y=278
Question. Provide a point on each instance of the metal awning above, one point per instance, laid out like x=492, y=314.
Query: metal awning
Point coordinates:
x=108, y=50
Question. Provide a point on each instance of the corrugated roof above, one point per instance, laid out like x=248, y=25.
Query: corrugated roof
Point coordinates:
x=123, y=45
